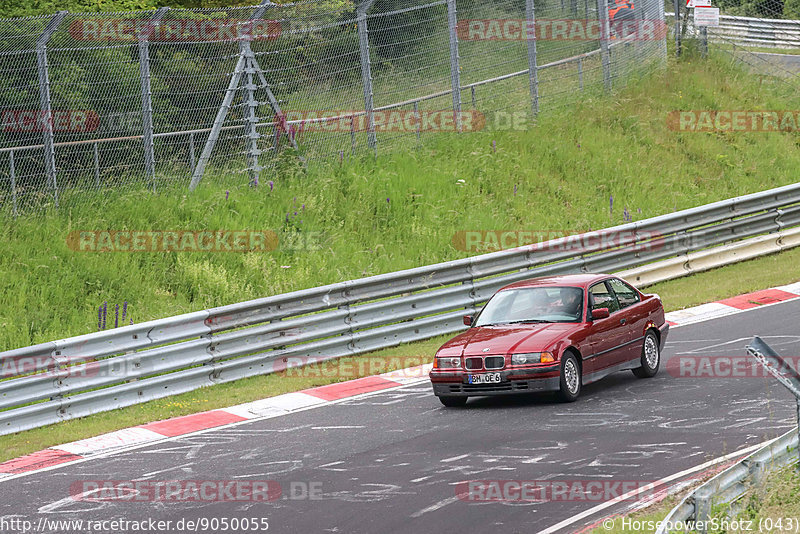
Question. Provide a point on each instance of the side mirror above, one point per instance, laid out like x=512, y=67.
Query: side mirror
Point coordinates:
x=468, y=320
x=600, y=313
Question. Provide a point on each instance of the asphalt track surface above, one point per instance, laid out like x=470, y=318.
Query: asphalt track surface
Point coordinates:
x=390, y=462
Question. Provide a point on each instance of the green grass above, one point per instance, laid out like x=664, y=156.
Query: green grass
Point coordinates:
x=773, y=506
x=400, y=210
x=397, y=211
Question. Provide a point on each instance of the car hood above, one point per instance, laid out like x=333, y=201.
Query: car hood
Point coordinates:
x=504, y=339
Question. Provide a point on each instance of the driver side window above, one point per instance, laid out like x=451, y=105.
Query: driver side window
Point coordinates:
x=601, y=297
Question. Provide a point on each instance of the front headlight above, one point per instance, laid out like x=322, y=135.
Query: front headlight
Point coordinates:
x=525, y=358
x=448, y=362
x=531, y=357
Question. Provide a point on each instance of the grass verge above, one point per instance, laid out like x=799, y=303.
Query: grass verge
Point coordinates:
x=772, y=507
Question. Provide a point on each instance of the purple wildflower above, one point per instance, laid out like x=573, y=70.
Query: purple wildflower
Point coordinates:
x=515, y=189
x=226, y=194
x=116, y=316
x=271, y=184
x=494, y=145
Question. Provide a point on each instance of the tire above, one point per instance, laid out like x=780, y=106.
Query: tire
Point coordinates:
x=453, y=402
x=569, y=385
x=651, y=357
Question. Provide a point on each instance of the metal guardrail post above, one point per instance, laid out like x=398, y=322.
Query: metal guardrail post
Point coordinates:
x=605, y=35
x=44, y=99
x=702, y=508
x=147, y=97
x=13, y=178
x=530, y=37
x=366, y=70
x=455, y=74
x=780, y=369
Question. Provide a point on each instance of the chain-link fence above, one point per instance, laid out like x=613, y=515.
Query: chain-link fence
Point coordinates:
x=105, y=101
x=763, y=34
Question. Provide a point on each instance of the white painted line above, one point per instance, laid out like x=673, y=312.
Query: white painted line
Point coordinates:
x=454, y=458
x=791, y=288
x=712, y=310
x=111, y=440
x=435, y=506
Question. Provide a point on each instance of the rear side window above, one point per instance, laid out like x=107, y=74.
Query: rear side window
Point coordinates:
x=626, y=295
x=601, y=297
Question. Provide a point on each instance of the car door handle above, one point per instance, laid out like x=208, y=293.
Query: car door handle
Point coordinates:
x=623, y=321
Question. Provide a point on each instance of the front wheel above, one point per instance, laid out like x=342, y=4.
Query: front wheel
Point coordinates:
x=570, y=382
x=453, y=402
x=651, y=357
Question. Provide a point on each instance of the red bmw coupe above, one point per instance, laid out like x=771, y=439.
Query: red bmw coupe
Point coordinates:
x=552, y=334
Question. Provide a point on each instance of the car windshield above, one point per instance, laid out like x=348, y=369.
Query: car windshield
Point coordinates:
x=533, y=305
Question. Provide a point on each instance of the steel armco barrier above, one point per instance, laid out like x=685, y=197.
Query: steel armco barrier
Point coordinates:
x=751, y=31
x=87, y=374
x=735, y=482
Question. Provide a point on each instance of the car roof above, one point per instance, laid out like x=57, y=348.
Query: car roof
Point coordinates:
x=583, y=280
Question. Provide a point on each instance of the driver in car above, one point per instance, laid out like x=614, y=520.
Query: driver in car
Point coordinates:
x=570, y=301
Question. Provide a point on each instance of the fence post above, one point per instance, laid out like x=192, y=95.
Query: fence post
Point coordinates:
x=533, y=69
x=44, y=99
x=662, y=19
x=676, y=6
x=13, y=171
x=366, y=70
x=455, y=75
x=605, y=34
x=96, y=151
x=704, y=41
x=580, y=73
x=147, y=99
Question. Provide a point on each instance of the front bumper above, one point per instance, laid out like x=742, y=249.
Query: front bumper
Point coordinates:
x=454, y=383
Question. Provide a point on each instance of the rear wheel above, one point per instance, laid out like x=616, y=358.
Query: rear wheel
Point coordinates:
x=453, y=402
x=651, y=357
x=570, y=382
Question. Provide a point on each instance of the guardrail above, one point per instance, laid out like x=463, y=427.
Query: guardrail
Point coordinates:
x=751, y=31
x=87, y=374
x=735, y=482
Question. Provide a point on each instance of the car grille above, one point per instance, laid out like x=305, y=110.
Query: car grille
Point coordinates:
x=474, y=363
x=494, y=362
x=478, y=363
x=487, y=388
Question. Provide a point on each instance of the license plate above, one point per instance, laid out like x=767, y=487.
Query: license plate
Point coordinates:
x=489, y=378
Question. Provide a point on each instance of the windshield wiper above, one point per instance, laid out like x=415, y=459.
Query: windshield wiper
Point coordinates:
x=523, y=321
